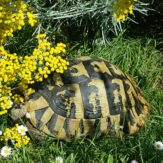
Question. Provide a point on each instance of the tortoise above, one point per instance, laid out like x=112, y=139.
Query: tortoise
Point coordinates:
x=91, y=96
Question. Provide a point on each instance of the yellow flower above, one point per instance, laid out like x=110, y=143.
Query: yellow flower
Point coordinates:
x=3, y=112
x=17, y=135
x=13, y=17
x=41, y=36
x=122, y=8
x=31, y=19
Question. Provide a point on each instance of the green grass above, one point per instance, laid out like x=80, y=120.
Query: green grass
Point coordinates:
x=140, y=59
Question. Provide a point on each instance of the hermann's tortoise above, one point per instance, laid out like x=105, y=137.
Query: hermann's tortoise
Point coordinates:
x=91, y=96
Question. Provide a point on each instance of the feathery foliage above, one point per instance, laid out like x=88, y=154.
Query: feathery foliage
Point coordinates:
x=78, y=19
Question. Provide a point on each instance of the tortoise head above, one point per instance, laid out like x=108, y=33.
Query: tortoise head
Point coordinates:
x=17, y=113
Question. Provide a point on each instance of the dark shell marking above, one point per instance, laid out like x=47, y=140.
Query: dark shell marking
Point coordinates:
x=91, y=96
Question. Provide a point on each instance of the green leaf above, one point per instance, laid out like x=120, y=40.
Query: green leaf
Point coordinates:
x=110, y=159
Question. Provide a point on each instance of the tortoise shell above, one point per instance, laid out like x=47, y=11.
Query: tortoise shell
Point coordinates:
x=91, y=96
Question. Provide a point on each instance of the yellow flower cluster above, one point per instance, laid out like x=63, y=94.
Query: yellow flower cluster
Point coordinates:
x=43, y=61
x=31, y=19
x=13, y=15
x=20, y=72
x=9, y=66
x=17, y=98
x=122, y=8
x=13, y=135
x=5, y=100
x=5, y=103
